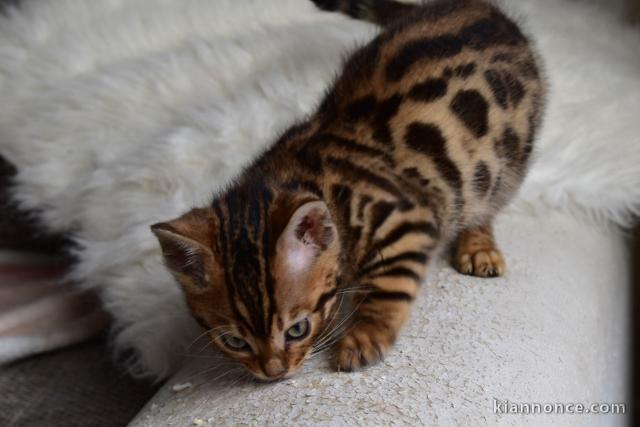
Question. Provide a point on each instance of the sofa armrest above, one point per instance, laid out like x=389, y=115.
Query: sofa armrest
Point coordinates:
x=553, y=330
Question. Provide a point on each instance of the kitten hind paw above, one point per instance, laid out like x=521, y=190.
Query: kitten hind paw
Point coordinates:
x=482, y=263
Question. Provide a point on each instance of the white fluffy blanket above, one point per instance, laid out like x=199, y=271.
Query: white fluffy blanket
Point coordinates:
x=120, y=113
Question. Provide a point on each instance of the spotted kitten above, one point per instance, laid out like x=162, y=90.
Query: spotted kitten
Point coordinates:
x=423, y=137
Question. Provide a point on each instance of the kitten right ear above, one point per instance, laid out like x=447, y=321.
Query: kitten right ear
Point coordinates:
x=186, y=247
x=309, y=232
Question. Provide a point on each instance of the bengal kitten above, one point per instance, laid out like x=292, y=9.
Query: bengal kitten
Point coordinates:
x=422, y=138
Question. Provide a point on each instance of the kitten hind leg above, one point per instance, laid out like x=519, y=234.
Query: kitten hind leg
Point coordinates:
x=477, y=254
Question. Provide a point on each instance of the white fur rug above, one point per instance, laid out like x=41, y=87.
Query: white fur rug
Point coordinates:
x=121, y=113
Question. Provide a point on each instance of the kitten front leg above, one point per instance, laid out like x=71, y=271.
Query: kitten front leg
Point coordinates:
x=389, y=285
x=377, y=320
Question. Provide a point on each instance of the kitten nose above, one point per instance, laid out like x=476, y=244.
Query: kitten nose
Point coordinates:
x=274, y=368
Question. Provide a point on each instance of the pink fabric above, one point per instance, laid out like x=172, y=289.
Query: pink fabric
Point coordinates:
x=39, y=311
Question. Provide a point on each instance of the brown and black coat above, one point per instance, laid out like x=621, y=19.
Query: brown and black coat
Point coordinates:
x=423, y=137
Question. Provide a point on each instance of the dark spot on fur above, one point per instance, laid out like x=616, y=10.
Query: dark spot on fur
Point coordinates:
x=481, y=179
x=341, y=196
x=440, y=47
x=508, y=147
x=529, y=70
x=427, y=139
x=472, y=109
x=502, y=57
x=506, y=88
x=484, y=33
x=498, y=87
x=429, y=90
x=309, y=158
x=515, y=88
x=361, y=108
x=379, y=214
x=385, y=112
x=465, y=70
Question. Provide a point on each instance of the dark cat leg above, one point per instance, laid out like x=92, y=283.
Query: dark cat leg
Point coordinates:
x=477, y=254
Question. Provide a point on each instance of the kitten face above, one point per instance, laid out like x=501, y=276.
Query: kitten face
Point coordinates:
x=296, y=324
x=264, y=301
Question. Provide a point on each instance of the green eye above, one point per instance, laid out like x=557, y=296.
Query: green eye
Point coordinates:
x=298, y=331
x=236, y=343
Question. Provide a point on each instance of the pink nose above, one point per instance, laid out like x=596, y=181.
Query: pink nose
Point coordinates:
x=274, y=369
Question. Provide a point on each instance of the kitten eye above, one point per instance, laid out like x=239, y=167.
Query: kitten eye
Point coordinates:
x=236, y=343
x=298, y=331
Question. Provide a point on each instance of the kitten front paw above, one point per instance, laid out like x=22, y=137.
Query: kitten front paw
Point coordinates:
x=482, y=263
x=363, y=345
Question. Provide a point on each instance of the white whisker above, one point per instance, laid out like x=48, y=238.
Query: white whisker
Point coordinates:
x=203, y=334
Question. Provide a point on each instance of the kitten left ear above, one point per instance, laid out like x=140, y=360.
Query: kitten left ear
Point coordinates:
x=310, y=232
x=186, y=246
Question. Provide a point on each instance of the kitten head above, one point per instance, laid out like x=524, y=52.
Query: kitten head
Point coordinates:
x=260, y=273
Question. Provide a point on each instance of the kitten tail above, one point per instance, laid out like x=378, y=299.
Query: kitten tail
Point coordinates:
x=381, y=12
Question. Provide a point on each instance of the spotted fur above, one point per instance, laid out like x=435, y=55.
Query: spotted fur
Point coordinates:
x=425, y=135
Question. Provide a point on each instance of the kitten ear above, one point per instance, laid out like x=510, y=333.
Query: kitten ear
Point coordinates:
x=310, y=232
x=186, y=246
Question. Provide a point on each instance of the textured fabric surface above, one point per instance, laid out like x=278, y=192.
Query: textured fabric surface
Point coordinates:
x=553, y=330
x=76, y=387
x=118, y=114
